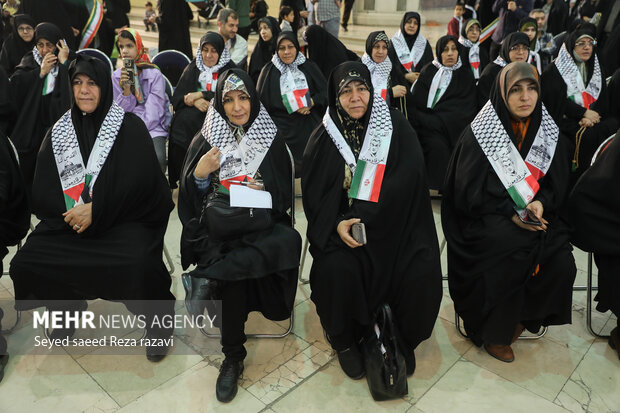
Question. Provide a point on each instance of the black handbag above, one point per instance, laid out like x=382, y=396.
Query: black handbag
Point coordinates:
x=386, y=371
x=225, y=222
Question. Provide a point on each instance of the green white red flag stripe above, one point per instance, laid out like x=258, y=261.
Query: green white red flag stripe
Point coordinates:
x=92, y=25
x=489, y=30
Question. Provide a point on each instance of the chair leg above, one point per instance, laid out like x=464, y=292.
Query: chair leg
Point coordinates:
x=18, y=318
x=260, y=335
x=303, y=261
x=589, y=290
x=169, y=259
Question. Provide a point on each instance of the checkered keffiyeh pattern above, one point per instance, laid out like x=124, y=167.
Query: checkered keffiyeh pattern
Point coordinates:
x=206, y=73
x=252, y=148
x=574, y=82
x=50, y=78
x=379, y=72
x=66, y=148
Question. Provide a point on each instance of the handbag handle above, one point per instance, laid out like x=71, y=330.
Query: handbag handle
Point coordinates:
x=388, y=319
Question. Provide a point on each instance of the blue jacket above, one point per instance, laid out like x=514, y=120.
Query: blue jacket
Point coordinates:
x=509, y=20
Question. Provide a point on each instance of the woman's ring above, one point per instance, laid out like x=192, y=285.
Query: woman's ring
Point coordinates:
x=77, y=227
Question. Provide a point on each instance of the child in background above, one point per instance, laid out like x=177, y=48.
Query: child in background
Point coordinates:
x=287, y=16
x=149, y=17
x=456, y=23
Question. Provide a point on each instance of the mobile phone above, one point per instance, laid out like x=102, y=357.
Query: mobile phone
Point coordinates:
x=358, y=232
x=530, y=218
x=128, y=64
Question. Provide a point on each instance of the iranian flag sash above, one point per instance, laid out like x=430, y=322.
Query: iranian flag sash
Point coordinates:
x=74, y=177
x=519, y=177
x=489, y=30
x=575, y=88
x=369, y=169
x=409, y=58
x=293, y=84
x=95, y=7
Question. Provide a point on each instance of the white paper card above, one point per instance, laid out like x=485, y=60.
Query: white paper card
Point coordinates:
x=242, y=196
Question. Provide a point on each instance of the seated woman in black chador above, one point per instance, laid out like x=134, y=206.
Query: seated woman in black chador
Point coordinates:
x=594, y=211
x=472, y=53
x=387, y=79
x=509, y=165
x=265, y=48
x=192, y=97
x=249, y=261
x=293, y=92
x=444, y=102
x=104, y=207
x=575, y=91
x=364, y=163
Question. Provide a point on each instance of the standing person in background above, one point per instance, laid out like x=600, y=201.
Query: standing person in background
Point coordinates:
x=19, y=42
x=301, y=13
x=557, y=16
x=174, y=17
x=610, y=18
x=545, y=46
x=53, y=11
x=328, y=15
x=510, y=13
x=258, y=10
x=287, y=17
x=149, y=17
x=242, y=7
x=346, y=14
x=455, y=25
x=228, y=24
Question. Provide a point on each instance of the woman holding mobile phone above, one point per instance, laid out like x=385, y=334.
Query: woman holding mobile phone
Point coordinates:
x=506, y=273
x=41, y=93
x=399, y=264
x=142, y=90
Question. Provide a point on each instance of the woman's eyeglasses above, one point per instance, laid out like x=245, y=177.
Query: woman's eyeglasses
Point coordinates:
x=25, y=29
x=585, y=43
x=519, y=48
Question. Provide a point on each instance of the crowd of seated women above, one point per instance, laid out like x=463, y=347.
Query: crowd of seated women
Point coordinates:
x=517, y=148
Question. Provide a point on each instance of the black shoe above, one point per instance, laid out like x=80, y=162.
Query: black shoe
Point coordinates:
x=344, y=27
x=410, y=362
x=4, y=359
x=614, y=340
x=156, y=352
x=352, y=362
x=226, y=385
x=197, y=291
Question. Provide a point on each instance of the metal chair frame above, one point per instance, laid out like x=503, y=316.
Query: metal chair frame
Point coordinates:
x=292, y=317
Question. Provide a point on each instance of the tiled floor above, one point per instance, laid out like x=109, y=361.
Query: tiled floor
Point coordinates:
x=567, y=370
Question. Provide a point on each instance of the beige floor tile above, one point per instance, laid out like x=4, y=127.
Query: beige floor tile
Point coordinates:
x=125, y=378
x=446, y=311
x=55, y=383
x=287, y=376
x=308, y=325
x=329, y=390
x=594, y=386
x=435, y=356
x=193, y=392
x=576, y=336
x=467, y=387
x=541, y=366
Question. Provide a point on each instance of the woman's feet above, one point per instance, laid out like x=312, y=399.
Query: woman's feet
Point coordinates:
x=501, y=352
x=614, y=340
x=352, y=362
x=228, y=379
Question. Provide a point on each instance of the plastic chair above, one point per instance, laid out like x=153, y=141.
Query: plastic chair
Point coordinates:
x=171, y=63
x=99, y=55
x=292, y=317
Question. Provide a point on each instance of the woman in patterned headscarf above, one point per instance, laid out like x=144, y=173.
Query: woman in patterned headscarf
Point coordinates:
x=510, y=265
x=364, y=164
x=192, y=97
x=246, y=257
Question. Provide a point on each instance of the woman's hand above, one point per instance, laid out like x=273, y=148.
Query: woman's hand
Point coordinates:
x=344, y=230
x=412, y=76
x=536, y=207
x=47, y=64
x=208, y=163
x=586, y=122
x=399, y=91
x=202, y=104
x=255, y=184
x=79, y=217
x=303, y=111
x=190, y=98
x=125, y=82
x=592, y=116
x=63, y=51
